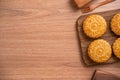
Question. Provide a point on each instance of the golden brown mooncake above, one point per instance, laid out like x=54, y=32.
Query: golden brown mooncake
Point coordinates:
x=115, y=24
x=99, y=51
x=94, y=26
x=116, y=48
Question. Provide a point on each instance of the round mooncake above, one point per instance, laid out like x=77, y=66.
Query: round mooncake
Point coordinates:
x=94, y=26
x=116, y=48
x=115, y=24
x=99, y=51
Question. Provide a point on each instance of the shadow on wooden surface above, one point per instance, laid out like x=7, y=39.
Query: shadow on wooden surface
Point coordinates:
x=73, y=5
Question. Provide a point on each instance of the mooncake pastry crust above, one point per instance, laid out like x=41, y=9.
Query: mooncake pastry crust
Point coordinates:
x=99, y=51
x=115, y=24
x=94, y=26
x=116, y=48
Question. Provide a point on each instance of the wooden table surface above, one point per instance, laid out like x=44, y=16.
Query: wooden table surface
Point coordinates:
x=38, y=41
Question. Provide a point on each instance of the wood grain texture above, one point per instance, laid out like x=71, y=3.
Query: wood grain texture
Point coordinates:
x=109, y=36
x=38, y=41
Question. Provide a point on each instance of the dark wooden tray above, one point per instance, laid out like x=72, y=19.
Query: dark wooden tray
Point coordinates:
x=85, y=41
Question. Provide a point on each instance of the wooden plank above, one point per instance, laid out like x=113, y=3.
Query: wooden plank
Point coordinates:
x=38, y=41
